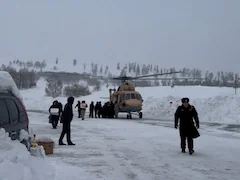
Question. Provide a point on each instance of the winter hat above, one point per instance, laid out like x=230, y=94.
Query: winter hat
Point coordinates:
x=185, y=100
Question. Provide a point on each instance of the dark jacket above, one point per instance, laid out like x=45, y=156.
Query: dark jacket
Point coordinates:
x=55, y=105
x=186, y=116
x=91, y=107
x=78, y=105
x=60, y=107
x=68, y=111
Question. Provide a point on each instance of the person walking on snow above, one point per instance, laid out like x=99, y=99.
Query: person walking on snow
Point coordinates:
x=186, y=113
x=67, y=119
x=54, y=111
x=91, y=109
x=96, y=109
x=79, y=109
x=83, y=109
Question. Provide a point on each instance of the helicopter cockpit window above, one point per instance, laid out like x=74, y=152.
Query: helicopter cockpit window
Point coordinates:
x=128, y=96
x=138, y=97
x=133, y=96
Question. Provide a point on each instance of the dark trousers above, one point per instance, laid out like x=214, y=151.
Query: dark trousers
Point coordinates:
x=96, y=112
x=99, y=113
x=189, y=141
x=54, y=121
x=79, y=113
x=66, y=130
x=91, y=114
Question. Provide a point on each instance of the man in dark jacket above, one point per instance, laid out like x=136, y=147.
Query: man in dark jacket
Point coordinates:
x=61, y=110
x=79, y=109
x=186, y=113
x=60, y=107
x=96, y=109
x=91, y=109
x=54, y=111
x=104, y=110
x=67, y=118
x=100, y=109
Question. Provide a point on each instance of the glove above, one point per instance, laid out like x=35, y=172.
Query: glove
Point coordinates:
x=176, y=126
x=197, y=125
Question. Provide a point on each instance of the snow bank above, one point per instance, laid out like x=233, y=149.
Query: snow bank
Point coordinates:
x=219, y=109
x=17, y=163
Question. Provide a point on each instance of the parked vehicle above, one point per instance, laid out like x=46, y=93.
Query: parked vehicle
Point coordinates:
x=13, y=117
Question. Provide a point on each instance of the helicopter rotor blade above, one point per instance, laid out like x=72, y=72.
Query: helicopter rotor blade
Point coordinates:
x=150, y=79
x=155, y=75
x=124, y=78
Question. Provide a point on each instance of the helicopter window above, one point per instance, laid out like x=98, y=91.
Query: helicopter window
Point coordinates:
x=133, y=96
x=138, y=97
x=128, y=96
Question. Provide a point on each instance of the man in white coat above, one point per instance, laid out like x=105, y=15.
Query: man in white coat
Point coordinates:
x=83, y=109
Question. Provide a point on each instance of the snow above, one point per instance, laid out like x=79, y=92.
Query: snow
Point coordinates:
x=214, y=104
x=17, y=163
x=137, y=149
x=123, y=149
x=7, y=83
x=24, y=135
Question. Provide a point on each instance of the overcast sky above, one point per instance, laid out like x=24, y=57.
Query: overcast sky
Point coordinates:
x=202, y=34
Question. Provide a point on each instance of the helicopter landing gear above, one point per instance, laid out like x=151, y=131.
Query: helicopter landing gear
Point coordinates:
x=116, y=110
x=116, y=114
x=129, y=116
x=140, y=115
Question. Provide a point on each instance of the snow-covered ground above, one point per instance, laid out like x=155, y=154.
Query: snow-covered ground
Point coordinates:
x=136, y=150
x=219, y=105
x=17, y=163
x=146, y=149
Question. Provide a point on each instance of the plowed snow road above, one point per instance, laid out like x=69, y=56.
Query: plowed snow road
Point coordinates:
x=143, y=150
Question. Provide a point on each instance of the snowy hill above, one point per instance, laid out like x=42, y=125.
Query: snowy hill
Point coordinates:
x=214, y=104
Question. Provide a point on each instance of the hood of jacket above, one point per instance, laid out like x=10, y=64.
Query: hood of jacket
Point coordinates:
x=70, y=100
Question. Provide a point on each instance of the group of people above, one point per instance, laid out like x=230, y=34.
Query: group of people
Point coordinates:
x=65, y=115
x=186, y=119
x=82, y=106
x=95, y=110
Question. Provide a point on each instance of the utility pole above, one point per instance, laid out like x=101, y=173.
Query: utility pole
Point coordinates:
x=236, y=82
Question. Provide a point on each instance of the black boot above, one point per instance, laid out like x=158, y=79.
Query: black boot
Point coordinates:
x=61, y=143
x=71, y=143
x=183, y=151
x=191, y=151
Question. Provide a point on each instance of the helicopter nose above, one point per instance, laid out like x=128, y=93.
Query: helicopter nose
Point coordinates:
x=133, y=103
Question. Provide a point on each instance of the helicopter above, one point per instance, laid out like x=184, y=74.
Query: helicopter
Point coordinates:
x=125, y=98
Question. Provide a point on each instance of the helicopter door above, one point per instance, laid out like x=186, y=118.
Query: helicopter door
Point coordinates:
x=117, y=99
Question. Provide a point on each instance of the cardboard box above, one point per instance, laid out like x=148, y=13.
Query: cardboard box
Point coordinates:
x=54, y=111
x=47, y=144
